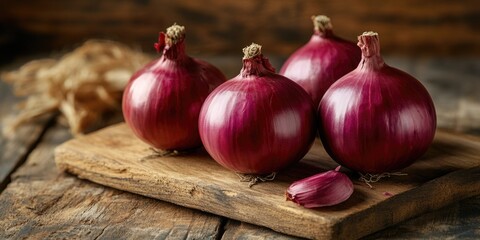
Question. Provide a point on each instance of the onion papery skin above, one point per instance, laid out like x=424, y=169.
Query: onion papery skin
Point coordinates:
x=162, y=101
x=376, y=118
x=258, y=122
x=320, y=62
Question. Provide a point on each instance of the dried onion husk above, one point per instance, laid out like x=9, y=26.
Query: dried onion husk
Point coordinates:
x=82, y=85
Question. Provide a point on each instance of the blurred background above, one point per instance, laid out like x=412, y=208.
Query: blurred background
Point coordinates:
x=437, y=41
x=409, y=27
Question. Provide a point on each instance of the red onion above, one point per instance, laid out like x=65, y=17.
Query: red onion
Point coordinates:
x=258, y=122
x=376, y=118
x=162, y=101
x=321, y=190
x=323, y=60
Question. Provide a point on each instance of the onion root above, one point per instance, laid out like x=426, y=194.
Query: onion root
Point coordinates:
x=253, y=179
x=368, y=178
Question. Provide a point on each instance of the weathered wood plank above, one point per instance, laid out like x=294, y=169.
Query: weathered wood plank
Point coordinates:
x=457, y=221
x=454, y=86
x=14, y=150
x=411, y=27
x=117, y=159
x=42, y=202
x=39, y=165
x=240, y=230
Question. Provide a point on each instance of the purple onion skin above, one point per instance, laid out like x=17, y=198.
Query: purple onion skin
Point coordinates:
x=162, y=101
x=320, y=62
x=321, y=190
x=376, y=118
x=258, y=122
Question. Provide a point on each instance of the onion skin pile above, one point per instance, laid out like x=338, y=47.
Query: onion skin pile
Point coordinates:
x=258, y=122
x=162, y=101
x=322, y=61
x=376, y=118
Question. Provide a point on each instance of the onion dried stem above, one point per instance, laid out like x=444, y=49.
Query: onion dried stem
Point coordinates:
x=252, y=51
x=322, y=24
x=175, y=33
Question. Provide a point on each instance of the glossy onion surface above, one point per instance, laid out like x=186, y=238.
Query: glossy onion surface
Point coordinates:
x=323, y=60
x=162, y=101
x=376, y=118
x=258, y=122
x=320, y=190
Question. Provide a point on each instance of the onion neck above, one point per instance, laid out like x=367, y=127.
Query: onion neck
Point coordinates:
x=175, y=52
x=254, y=64
x=322, y=26
x=172, y=43
x=369, y=43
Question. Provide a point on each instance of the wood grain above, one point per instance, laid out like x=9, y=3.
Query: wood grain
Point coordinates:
x=240, y=230
x=410, y=27
x=116, y=158
x=14, y=149
x=458, y=221
x=43, y=203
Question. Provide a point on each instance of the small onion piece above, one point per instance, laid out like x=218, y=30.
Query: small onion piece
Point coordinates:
x=321, y=61
x=258, y=122
x=321, y=190
x=162, y=101
x=376, y=119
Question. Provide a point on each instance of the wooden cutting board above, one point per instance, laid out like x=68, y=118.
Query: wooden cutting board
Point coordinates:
x=449, y=172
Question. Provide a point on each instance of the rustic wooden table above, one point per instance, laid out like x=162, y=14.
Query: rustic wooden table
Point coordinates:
x=39, y=202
